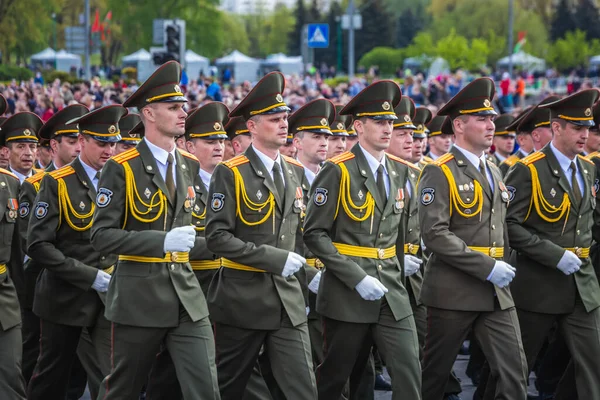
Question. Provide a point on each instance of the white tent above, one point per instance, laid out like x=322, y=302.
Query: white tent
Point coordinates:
x=44, y=58
x=525, y=61
x=67, y=61
x=141, y=60
x=595, y=61
x=282, y=63
x=196, y=64
x=243, y=68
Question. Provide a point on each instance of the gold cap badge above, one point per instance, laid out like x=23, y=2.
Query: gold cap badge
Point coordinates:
x=217, y=126
x=324, y=121
x=279, y=98
x=386, y=106
x=340, y=126
x=27, y=132
x=588, y=112
x=486, y=103
x=406, y=118
x=177, y=89
x=112, y=129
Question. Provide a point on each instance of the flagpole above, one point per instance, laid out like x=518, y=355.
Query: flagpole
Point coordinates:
x=88, y=37
x=511, y=18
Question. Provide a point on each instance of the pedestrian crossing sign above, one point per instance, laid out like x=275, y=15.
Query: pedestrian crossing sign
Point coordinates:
x=318, y=36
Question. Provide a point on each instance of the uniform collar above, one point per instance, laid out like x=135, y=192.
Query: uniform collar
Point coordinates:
x=205, y=176
x=159, y=154
x=267, y=161
x=90, y=172
x=473, y=158
x=500, y=157
x=20, y=175
x=522, y=152
x=563, y=161
x=372, y=161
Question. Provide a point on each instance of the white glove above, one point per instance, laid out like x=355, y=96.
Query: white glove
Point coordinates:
x=569, y=263
x=293, y=264
x=411, y=265
x=502, y=274
x=180, y=239
x=101, y=282
x=307, y=310
x=313, y=286
x=370, y=288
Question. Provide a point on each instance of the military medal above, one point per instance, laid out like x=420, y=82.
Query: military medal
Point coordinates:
x=191, y=195
x=360, y=194
x=13, y=205
x=471, y=186
x=259, y=194
x=299, y=194
x=505, y=195
x=82, y=206
x=552, y=192
x=399, y=199
x=147, y=193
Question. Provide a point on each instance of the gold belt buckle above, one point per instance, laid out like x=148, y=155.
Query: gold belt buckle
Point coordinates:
x=318, y=263
x=493, y=251
x=411, y=248
x=380, y=253
x=578, y=251
x=177, y=256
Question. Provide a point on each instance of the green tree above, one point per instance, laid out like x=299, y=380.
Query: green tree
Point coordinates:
x=279, y=26
x=377, y=28
x=386, y=58
x=236, y=38
x=294, y=44
x=572, y=51
x=563, y=20
x=422, y=45
x=586, y=17
x=459, y=53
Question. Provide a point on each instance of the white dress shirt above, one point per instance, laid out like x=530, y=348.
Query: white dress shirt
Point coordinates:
x=20, y=175
x=374, y=165
x=205, y=177
x=268, y=162
x=91, y=173
x=565, y=165
x=161, y=155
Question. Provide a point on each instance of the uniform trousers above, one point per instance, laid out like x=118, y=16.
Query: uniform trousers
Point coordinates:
x=12, y=385
x=134, y=349
x=500, y=338
x=348, y=347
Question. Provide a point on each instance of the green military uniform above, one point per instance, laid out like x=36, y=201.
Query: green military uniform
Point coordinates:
x=12, y=385
x=462, y=223
x=153, y=296
x=422, y=118
x=319, y=116
x=501, y=123
x=58, y=239
x=352, y=225
x=55, y=126
x=253, y=226
x=550, y=215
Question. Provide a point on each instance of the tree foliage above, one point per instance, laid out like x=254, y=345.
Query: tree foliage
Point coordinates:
x=573, y=50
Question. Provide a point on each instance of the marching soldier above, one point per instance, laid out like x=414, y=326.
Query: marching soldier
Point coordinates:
x=238, y=134
x=288, y=149
x=255, y=299
x=144, y=214
x=337, y=144
x=311, y=139
x=439, y=142
x=12, y=385
x=592, y=145
x=43, y=156
x=550, y=221
x=361, y=296
x=69, y=291
x=462, y=207
x=130, y=136
x=523, y=139
x=504, y=140
x=352, y=138
x=62, y=138
x=421, y=119
x=22, y=150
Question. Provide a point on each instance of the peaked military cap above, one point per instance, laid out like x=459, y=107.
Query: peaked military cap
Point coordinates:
x=576, y=108
x=342, y=125
x=596, y=114
x=235, y=127
x=58, y=125
x=21, y=127
x=127, y=124
x=350, y=129
x=207, y=122
x=3, y=105
x=376, y=101
x=102, y=124
x=474, y=99
x=161, y=87
x=513, y=126
x=264, y=98
x=422, y=117
x=501, y=123
x=2, y=119
x=446, y=127
x=138, y=129
x=537, y=116
x=405, y=111
x=435, y=126
x=316, y=116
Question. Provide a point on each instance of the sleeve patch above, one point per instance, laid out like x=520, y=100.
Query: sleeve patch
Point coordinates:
x=427, y=196
x=103, y=198
x=320, y=197
x=24, y=209
x=511, y=192
x=217, y=202
x=41, y=210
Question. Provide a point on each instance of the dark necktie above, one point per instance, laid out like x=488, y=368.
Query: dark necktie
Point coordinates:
x=278, y=180
x=575, y=184
x=381, y=183
x=169, y=178
x=97, y=176
x=483, y=174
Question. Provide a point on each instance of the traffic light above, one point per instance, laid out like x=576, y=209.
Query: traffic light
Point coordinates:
x=171, y=35
x=173, y=41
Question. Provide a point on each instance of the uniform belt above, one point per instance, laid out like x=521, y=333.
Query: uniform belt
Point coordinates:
x=241, y=267
x=109, y=270
x=581, y=252
x=410, y=248
x=202, y=265
x=2, y=268
x=365, y=252
x=176, y=257
x=315, y=263
x=494, y=252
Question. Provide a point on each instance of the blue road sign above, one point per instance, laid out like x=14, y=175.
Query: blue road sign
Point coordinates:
x=318, y=36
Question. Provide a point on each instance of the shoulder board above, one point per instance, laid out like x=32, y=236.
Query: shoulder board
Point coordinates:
x=126, y=155
x=585, y=159
x=62, y=172
x=36, y=178
x=188, y=155
x=444, y=159
x=235, y=161
x=512, y=160
x=397, y=159
x=292, y=161
x=538, y=155
x=593, y=155
x=428, y=159
x=342, y=157
x=7, y=172
x=37, y=170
